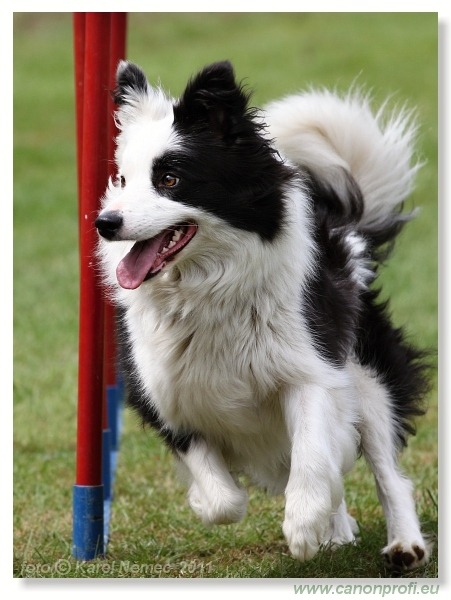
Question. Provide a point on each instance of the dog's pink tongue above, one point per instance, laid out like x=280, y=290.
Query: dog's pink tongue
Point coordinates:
x=134, y=267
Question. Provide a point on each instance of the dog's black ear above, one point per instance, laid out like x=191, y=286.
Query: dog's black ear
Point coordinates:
x=213, y=97
x=130, y=80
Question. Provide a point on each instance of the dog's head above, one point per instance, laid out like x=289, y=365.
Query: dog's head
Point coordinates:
x=187, y=171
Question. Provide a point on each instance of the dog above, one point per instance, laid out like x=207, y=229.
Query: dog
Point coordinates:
x=240, y=246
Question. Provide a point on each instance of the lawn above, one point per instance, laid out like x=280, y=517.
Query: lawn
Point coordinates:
x=153, y=532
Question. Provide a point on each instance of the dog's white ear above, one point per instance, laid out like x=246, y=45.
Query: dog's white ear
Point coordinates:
x=130, y=83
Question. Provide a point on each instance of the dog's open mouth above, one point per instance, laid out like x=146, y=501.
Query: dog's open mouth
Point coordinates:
x=148, y=257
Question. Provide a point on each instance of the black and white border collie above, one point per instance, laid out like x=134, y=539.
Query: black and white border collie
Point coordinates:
x=240, y=246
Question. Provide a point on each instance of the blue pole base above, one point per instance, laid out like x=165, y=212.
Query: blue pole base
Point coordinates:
x=106, y=463
x=112, y=393
x=107, y=477
x=114, y=404
x=88, y=522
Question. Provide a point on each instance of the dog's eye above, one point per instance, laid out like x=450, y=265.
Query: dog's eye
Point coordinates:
x=122, y=181
x=169, y=181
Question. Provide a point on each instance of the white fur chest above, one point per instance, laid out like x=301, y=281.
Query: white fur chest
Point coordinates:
x=209, y=366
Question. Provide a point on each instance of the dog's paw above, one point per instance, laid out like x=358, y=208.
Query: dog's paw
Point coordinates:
x=344, y=530
x=304, y=539
x=218, y=508
x=404, y=556
x=305, y=533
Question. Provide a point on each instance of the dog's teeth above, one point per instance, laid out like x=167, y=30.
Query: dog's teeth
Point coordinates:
x=171, y=244
x=177, y=235
x=164, y=250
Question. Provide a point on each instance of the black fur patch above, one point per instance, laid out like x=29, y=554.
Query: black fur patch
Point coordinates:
x=329, y=207
x=129, y=77
x=332, y=298
x=226, y=166
x=331, y=294
x=401, y=367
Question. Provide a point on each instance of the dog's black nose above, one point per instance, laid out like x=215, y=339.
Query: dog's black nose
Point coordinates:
x=109, y=223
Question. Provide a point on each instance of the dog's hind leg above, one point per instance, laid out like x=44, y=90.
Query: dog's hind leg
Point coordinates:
x=213, y=493
x=406, y=547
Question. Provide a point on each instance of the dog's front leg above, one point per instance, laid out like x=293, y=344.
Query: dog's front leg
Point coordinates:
x=314, y=490
x=213, y=494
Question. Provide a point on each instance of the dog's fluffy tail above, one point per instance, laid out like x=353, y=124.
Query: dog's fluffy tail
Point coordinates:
x=340, y=141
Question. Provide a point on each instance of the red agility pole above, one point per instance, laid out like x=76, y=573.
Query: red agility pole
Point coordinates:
x=117, y=52
x=97, y=51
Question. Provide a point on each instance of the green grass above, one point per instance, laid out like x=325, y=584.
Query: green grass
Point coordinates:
x=152, y=527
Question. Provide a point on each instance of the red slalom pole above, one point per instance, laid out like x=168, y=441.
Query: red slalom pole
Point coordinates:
x=94, y=178
x=79, y=54
x=91, y=69
x=117, y=52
